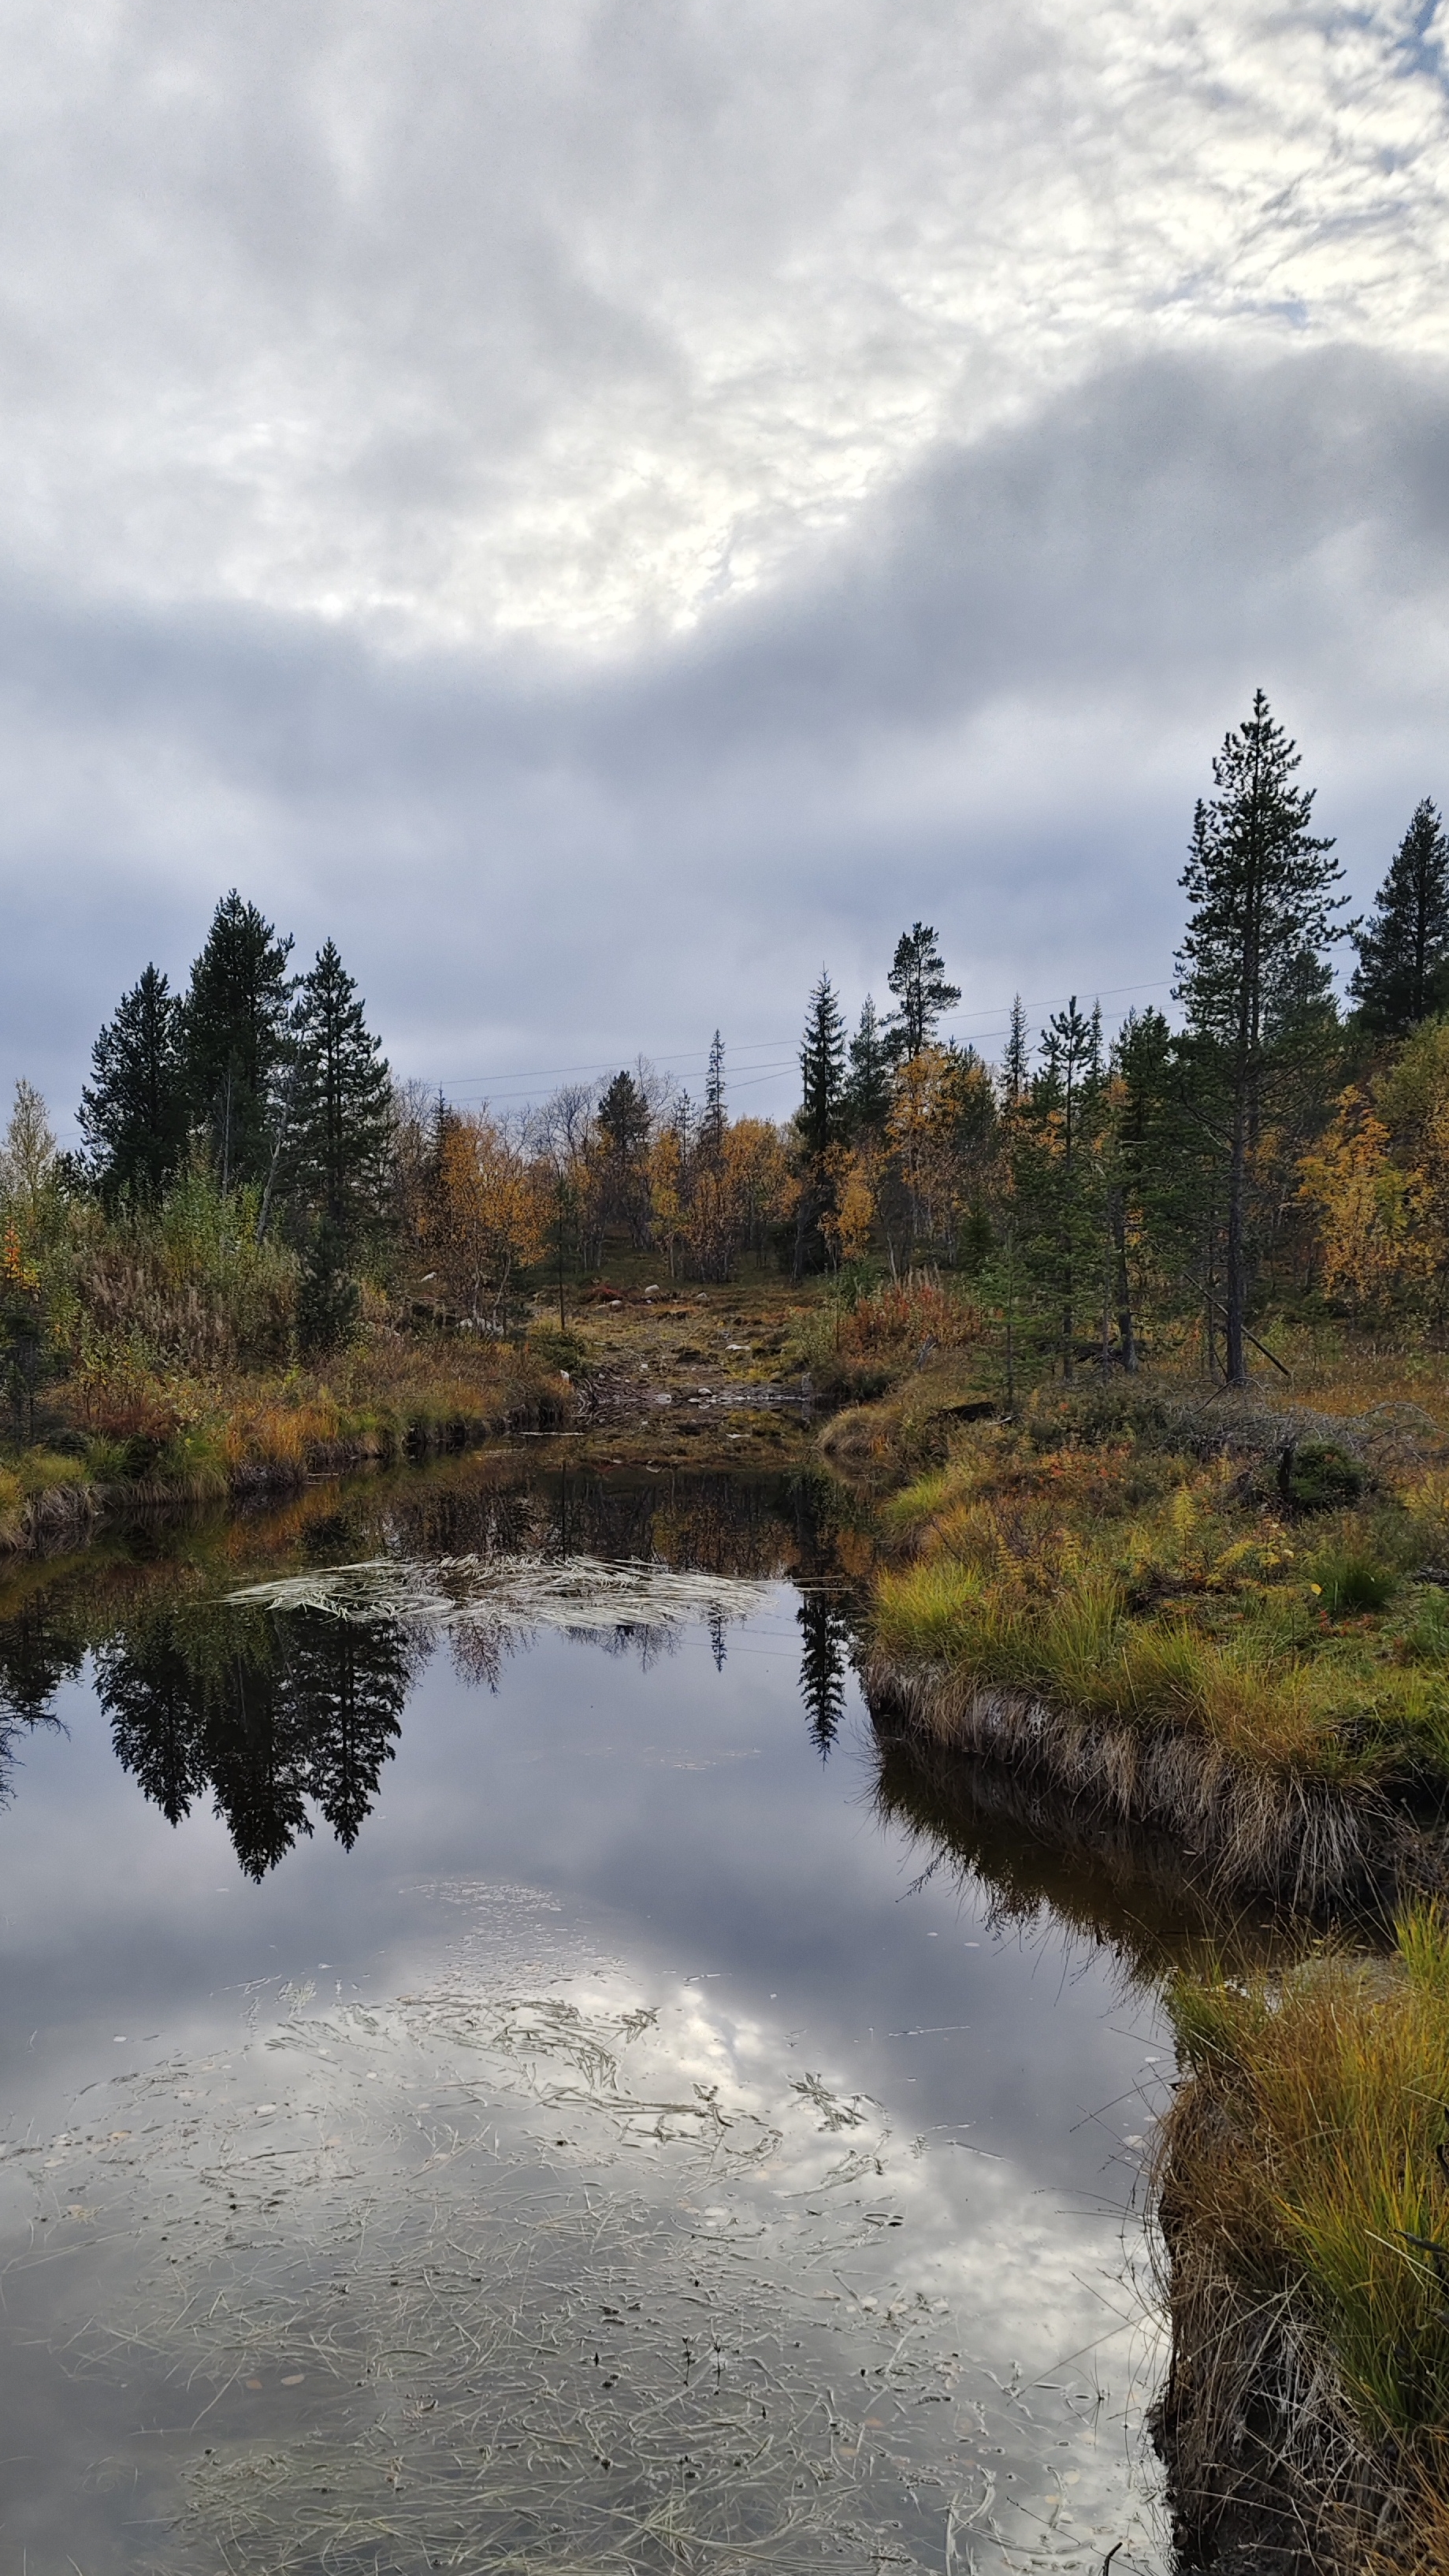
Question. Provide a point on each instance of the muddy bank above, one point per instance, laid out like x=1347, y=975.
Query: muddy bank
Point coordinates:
x=1232, y=1830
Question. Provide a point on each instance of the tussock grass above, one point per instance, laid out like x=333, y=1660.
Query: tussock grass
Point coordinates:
x=1303, y=2173
x=1129, y=1583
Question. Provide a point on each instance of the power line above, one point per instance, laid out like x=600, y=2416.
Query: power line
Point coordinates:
x=762, y=1046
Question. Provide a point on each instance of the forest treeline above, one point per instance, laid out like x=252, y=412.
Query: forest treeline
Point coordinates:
x=254, y=1185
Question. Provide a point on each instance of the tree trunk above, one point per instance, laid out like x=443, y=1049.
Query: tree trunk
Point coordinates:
x=1235, y=1283
x=1126, y=1328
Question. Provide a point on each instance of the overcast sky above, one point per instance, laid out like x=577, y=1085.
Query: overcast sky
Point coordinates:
x=607, y=505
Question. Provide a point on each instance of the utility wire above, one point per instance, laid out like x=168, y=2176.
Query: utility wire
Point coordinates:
x=760, y=1046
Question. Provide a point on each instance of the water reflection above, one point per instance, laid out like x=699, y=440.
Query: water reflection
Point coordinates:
x=826, y=1638
x=1045, y=1862
x=36, y=1656
x=286, y=1712
x=621, y=2155
x=269, y=1715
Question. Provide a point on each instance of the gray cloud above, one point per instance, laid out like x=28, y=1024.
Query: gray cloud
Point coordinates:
x=989, y=701
x=572, y=323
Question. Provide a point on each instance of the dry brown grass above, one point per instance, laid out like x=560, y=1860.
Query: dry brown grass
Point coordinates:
x=156, y=1436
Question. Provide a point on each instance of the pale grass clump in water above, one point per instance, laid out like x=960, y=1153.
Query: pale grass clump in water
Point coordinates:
x=1305, y=2206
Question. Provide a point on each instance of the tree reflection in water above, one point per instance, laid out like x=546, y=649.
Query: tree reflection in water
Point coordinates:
x=824, y=1654
x=276, y=1717
x=37, y=1654
x=282, y=1717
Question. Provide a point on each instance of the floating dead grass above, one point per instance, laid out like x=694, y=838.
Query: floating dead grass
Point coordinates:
x=510, y=1594
x=572, y=2298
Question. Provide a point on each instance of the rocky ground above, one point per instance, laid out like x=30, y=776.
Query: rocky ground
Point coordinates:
x=690, y=1377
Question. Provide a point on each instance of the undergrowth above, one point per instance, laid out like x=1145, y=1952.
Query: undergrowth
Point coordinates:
x=196, y=1437
x=857, y=1346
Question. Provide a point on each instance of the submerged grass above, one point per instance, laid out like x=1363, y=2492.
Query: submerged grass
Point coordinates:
x=524, y=2269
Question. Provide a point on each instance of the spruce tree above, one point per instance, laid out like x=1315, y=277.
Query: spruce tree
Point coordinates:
x=339, y=1103
x=1142, y=1161
x=1402, y=976
x=133, y=1112
x=1071, y=1074
x=1260, y=886
x=712, y=1124
x=918, y=980
x=328, y=1298
x=624, y=1118
x=624, y=1122
x=868, y=1086
x=236, y=1038
x=1016, y=1063
x=822, y=1071
x=819, y=1118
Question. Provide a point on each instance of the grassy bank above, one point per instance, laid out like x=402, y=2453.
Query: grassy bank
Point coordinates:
x=1161, y=1628
x=1305, y=2207
x=141, y=1438
x=642, y=1375
x=1229, y=1620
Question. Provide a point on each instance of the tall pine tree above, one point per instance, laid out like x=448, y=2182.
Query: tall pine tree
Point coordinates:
x=822, y=1071
x=1016, y=1063
x=820, y=1116
x=1260, y=886
x=133, y=1111
x=923, y=997
x=712, y=1124
x=1070, y=1077
x=1402, y=976
x=625, y=1123
x=236, y=1038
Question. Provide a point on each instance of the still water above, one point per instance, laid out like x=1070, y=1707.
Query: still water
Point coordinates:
x=496, y=2079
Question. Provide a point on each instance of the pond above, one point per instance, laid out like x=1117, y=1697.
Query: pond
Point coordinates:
x=497, y=2077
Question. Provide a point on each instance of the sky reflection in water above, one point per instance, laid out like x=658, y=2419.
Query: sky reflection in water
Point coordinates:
x=595, y=2014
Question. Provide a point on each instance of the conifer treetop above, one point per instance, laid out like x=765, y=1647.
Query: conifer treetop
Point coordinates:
x=1260, y=886
x=1402, y=976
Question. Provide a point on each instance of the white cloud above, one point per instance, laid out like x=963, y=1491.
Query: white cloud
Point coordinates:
x=464, y=322
x=698, y=487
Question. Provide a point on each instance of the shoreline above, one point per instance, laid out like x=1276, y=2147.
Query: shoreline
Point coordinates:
x=625, y=1386
x=1311, y=1846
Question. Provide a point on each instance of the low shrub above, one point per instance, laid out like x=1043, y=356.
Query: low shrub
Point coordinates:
x=1318, y=1476
x=856, y=1348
